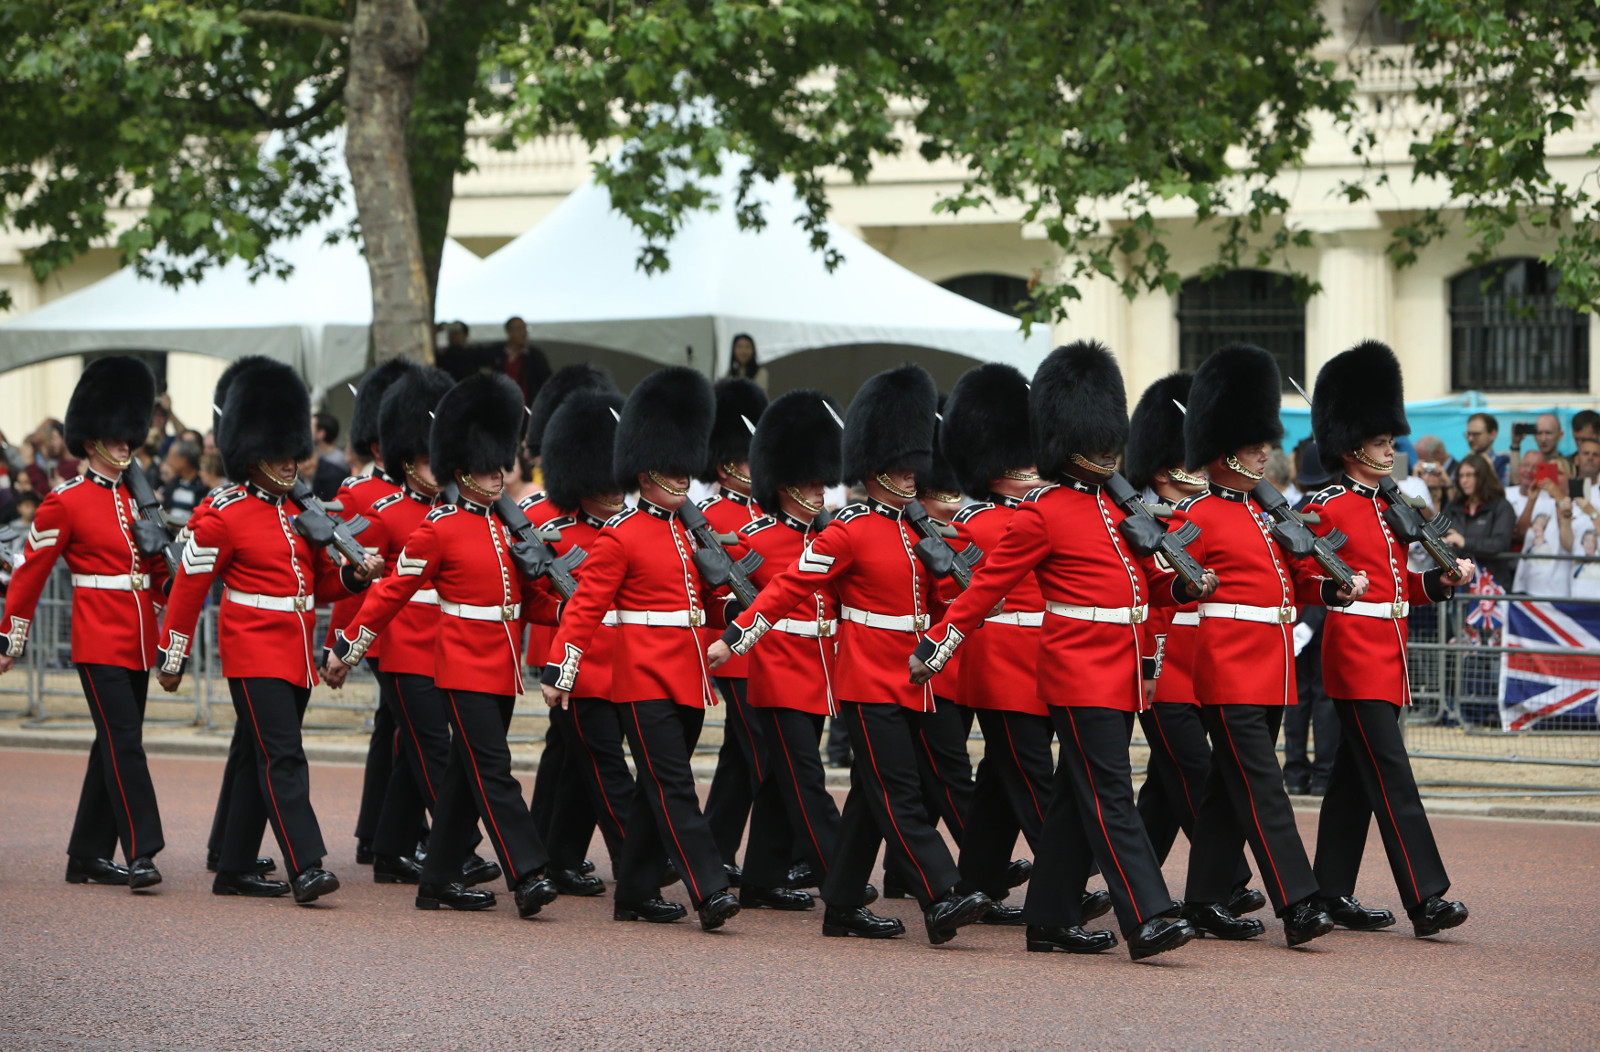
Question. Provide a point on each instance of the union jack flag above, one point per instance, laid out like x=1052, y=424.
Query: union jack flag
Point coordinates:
x=1560, y=688
x=1486, y=615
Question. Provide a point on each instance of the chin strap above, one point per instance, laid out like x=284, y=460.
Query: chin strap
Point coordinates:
x=485, y=496
x=664, y=484
x=1183, y=477
x=421, y=485
x=887, y=483
x=267, y=471
x=1016, y=475
x=1361, y=455
x=800, y=500
x=1233, y=465
x=1089, y=465
x=733, y=472
x=100, y=447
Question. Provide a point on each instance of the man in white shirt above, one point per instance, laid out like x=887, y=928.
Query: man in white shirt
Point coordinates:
x=1550, y=525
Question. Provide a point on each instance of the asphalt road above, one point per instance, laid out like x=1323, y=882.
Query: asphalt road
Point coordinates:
x=178, y=969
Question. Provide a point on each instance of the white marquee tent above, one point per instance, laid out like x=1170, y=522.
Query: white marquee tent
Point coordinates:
x=317, y=320
x=573, y=278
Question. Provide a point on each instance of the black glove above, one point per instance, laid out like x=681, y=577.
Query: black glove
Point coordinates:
x=532, y=560
x=1143, y=533
x=150, y=537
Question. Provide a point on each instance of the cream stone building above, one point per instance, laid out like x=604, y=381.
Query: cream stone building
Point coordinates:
x=1451, y=335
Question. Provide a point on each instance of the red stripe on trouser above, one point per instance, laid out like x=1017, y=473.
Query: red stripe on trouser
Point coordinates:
x=1100, y=815
x=601, y=782
x=954, y=810
x=872, y=757
x=400, y=696
x=1183, y=781
x=794, y=779
x=1227, y=732
x=271, y=793
x=1017, y=762
x=1386, y=805
x=755, y=754
x=111, y=747
x=487, y=810
x=688, y=871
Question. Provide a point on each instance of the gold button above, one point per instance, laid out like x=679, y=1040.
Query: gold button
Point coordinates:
x=300, y=603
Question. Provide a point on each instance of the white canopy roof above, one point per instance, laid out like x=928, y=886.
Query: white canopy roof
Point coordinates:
x=573, y=278
x=317, y=320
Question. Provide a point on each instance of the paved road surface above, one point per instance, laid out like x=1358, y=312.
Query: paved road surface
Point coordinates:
x=178, y=969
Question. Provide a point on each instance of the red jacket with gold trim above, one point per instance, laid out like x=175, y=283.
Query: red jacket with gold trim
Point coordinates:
x=797, y=665
x=580, y=530
x=409, y=640
x=1364, y=658
x=89, y=521
x=999, y=665
x=887, y=600
x=729, y=511
x=359, y=495
x=642, y=567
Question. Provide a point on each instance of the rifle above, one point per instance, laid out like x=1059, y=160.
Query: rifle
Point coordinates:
x=716, y=566
x=1171, y=545
x=533, y=554
x=323, y=530
x=150, y=534
x=1289, y=530
x=934, y=549
x=1407, y=522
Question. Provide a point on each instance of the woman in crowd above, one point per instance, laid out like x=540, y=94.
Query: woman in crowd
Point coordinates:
x=742, y=360
x=1481, y=518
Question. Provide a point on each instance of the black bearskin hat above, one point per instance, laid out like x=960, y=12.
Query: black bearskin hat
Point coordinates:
x=1155, y=433
x=114, y=399
x=562, y=383
x=738, y=400
x=366, y=419
x=941, y=478
x=665, y=426
x=797, y=441
x=268, y=417
x=890, y=425
x=219, y=395
x=984, y=433
x=1233, y=403
x=405, y=420
x=1359, y=394
x=477, y=427
x=1077, y=405
x=577, y=448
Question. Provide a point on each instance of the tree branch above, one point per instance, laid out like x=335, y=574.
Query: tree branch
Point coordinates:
x=290, y=20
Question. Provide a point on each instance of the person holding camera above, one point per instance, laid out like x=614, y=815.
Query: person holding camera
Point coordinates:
x=1547, y=524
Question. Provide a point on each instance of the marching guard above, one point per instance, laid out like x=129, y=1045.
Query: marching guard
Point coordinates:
x=1097, y=594
x=93, y=522
x=1357, y=411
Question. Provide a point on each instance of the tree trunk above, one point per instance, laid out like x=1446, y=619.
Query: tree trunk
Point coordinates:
x=387, y=41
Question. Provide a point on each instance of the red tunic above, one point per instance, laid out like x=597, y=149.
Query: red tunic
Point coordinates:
x=999, y=665
x=1066, y=537
x=577, y=531
x=410, y=638
x=867, y=554
x=88, y=519
x=1364, y=658
x=1240, y=662
x=246, y=536
x=540, y=512
x=791, y=670
x=358, y=495
x=642, y=567
x=729, y=511
x=461, y=551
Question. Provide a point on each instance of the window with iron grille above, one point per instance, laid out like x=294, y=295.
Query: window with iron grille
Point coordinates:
x=1000, y=292
x=1242, y=306
x=1507, y=333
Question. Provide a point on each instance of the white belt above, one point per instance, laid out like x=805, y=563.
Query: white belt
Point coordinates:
x=891, y=622
x=119, y=582
x=282, y=603
x=427, y=596
x=1269, y=615
x=1387, y=611
x=661, y=618
x=469, y=612
x=819, y=629
x=1117, y=615
x=1020, y=618
x=1186, y=617
x=610, y=619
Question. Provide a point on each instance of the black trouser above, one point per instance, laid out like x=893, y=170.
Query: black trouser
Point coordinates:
x=118, y=800
x=380, y=762
x=238, y=753
x=1372, y=776
x=478, y=783
x=886, y=804
x=838, y=743
x=602, y=776
x=665, y=822
x=1244, y=802
x=741, y=768
x=423, y=741
x=567, y=825
x=274, y=781
x=794, y=796
x=1092, y=819
x=1314, y=714
x=1011, y=795
x=1180, y=760
x=944, y=763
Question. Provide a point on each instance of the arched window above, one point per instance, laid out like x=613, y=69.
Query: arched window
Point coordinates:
x=1507, y=333
x=1000, y=292
x=1242, y=306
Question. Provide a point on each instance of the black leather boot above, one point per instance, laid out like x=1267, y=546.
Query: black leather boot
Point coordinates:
x=395, y=869
x=1211, y=919
x=718, y=909
x=95, y=871
x=456, y=896
x=312, y=883
x=952, y=912
x=250, y=885
x=1095, y=904
x=841, y=921
x=754, y=898
x=1044, y=939
x=1158, y=935
x=1245, y=899
x=651, y=911
x=534, y=894
x=477, y=870
x=1435, y=914
x=571, y=882
x=142, y=873
x=1348, y=913
x=1303, y=922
